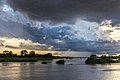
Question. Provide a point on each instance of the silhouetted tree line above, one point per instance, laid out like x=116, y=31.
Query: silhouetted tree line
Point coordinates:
x=25, y=54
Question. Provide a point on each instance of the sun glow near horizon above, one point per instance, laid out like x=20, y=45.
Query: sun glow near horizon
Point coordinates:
x=55, y=53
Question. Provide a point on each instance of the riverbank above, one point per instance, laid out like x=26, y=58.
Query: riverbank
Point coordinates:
x=18, y=59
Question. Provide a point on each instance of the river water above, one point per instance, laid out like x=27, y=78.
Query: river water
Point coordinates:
x=77, y=71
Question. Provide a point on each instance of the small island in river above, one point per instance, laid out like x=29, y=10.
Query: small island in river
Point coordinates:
x=103, y=59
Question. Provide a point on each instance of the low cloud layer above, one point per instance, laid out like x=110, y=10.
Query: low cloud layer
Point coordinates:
x=18, y=43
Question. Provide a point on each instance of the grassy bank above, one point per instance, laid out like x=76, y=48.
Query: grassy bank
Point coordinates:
x=18, y=59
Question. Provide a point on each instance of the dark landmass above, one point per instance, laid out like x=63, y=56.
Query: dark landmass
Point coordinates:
x=60, y=62
x=93, y=59
x=8, y=56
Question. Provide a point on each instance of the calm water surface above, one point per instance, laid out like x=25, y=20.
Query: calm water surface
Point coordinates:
x=52, y=71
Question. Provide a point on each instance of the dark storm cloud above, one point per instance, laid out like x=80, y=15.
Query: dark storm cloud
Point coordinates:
x=69, y=10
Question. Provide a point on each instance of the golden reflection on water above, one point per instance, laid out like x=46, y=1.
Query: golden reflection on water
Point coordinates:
x=112, y=72
x=107, y=72
x=11, y=71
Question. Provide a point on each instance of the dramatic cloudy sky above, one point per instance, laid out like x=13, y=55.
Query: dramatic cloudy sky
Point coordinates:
x=69, y=10
x=61, y=25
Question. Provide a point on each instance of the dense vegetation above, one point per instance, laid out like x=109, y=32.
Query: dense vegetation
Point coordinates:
x=8, y=56
x=93, y=59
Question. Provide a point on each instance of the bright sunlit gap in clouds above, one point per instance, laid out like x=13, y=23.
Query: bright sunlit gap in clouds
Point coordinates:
x=112, y=32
